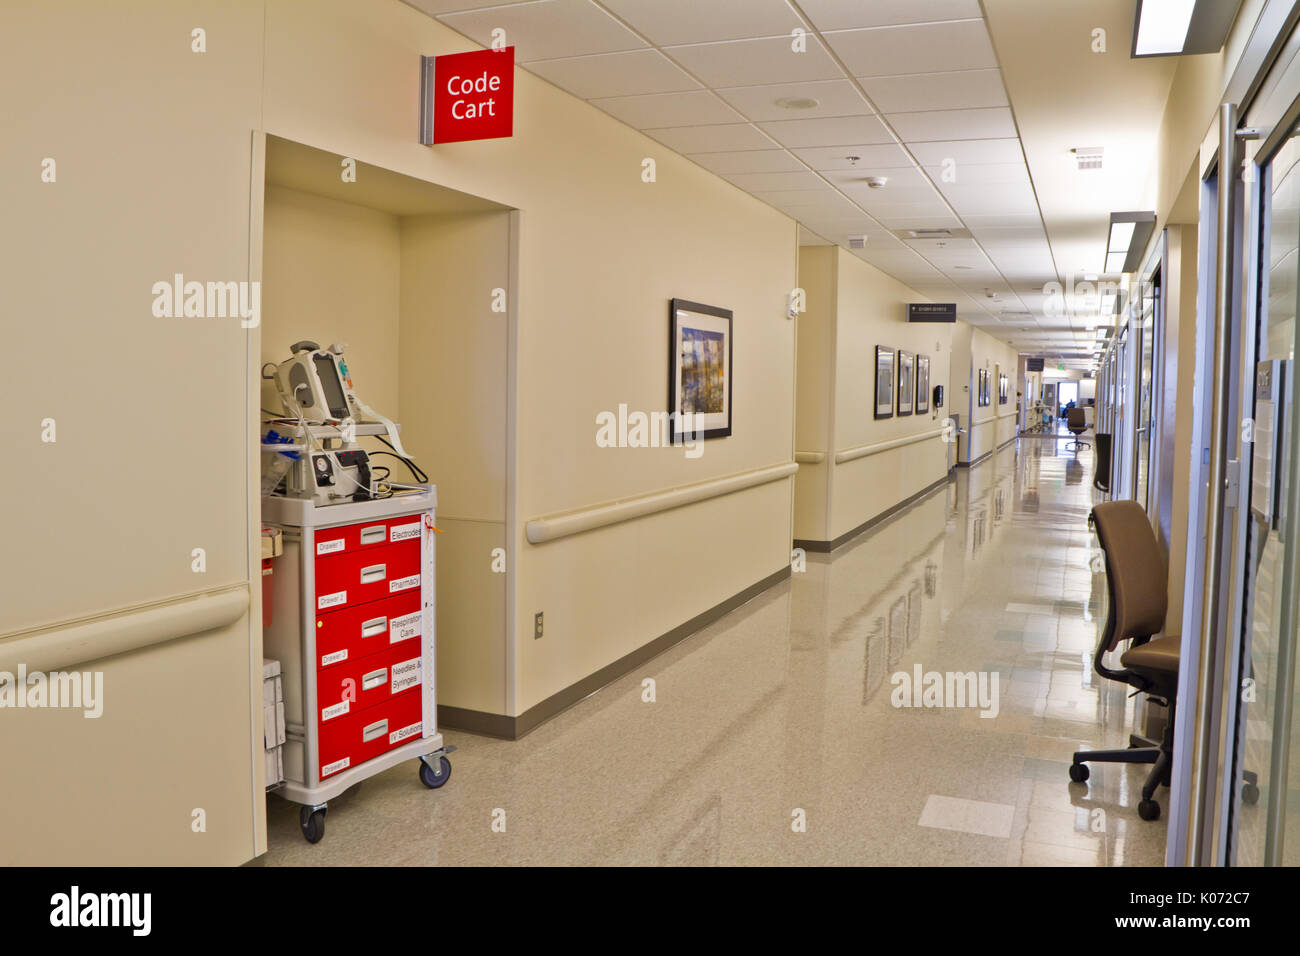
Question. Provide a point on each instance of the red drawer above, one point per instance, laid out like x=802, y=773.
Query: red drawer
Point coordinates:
x=367, y=681
x=357, y=632
x=358, y=577
x=367, y=534
x=362, y=734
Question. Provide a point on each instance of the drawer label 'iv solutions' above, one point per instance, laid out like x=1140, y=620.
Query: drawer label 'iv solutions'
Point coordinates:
x=405, y=733
x=404, y=532
x=406, y=675
x=406, y=626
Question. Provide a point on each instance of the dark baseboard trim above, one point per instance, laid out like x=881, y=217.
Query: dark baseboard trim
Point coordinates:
x=825, y=547
x=512, y=728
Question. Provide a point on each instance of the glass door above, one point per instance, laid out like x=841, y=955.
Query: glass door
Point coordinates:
x=1264, y=812
x=1144, y=326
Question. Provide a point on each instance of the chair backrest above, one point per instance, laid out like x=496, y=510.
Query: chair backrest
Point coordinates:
x=1135, y=571
x=1101, y=462
x=1076, y=418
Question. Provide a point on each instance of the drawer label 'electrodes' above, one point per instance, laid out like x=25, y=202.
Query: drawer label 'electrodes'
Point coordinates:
x=331, y=600
x=398, y=736
x=408, y=625
x=334, y=710
x=335, y=767
x=329, y=547
x=406, y=674
x=403, y=584
x=404, y=532
x=328, y=659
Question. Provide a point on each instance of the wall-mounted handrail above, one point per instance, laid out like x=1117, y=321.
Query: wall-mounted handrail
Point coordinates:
x=862, y=451
x=552, y=527
x=809, y=457
x=58, y=646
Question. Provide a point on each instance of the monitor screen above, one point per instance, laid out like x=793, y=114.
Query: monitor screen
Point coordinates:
x=328, y=373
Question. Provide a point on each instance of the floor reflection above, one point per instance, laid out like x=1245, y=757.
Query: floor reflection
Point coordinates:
x=774, y=737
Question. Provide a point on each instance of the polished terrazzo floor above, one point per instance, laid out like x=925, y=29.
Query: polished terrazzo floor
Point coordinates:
x=780, y=714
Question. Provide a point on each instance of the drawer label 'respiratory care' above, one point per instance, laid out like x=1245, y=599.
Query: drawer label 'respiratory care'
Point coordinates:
x=329, y=547
x=404, y=532
x=406, y=675
x=404, y=584
x=408, y=625
x=335, y=767
x=331, y=600
x=328, y=659
x=334, y=710
x=397, y=736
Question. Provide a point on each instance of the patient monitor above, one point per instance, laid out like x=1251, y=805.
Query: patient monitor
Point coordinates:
x=314, y=383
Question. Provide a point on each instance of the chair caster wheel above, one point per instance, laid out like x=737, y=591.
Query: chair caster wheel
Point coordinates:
x=1079, y=772
x=1149, y=810
x=1249, y=794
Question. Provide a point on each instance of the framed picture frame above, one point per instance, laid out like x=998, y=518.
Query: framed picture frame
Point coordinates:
x=884, y=382
x=906, y=382
x=1004, y=390
x=982, y=388
x=922, y=384
x=699, y=370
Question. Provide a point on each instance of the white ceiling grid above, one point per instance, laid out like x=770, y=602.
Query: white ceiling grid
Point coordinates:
x=912, y=87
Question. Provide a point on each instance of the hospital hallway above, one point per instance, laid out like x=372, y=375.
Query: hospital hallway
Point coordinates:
x=785, y=705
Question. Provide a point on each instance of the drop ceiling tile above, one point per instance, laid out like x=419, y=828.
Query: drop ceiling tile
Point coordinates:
x=667, y=22
x=705, y=139
x=922, y=48
x=659, y=110
x=546, y=29
x=944, y=125
x=755, y=62
x=908, y=177
x=437, y=7
x=964, y=89
x=980, y=173
x=968, y=151
x=849, y=14
x=830, y=98
x=831, y=131
x=881, y=202
x=615, y=74
x=871, y=158
x=748, y=161
x=809, y=238
x=750, y=182
x=920, y=222
x=991, y=199
x=975, y=223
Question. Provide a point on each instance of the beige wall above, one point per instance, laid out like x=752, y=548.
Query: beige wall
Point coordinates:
x=991, y=426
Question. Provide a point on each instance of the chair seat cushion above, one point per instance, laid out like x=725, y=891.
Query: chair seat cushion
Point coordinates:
x=1158, y=656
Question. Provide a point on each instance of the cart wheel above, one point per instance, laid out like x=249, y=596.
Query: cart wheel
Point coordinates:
x=312, y=823
x=435, y=780
x=1079, y=772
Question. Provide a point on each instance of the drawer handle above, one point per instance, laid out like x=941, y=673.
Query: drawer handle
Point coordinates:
x=376, y=572
x=376, y=532
x=377, y=729
x=374, y=679
x=376, y=625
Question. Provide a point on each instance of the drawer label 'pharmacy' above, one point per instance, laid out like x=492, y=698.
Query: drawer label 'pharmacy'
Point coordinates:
x=406, y=732
x=408, y=625
x=331, y=600
x=404, y=584
x=406, y=675
x=404, y=532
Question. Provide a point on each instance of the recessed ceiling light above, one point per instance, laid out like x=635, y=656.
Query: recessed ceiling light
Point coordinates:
x=797, y=103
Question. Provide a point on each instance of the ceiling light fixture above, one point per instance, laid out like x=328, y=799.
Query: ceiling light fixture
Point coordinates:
x=797, y=103
x=1128, y=236
x=1182, y=27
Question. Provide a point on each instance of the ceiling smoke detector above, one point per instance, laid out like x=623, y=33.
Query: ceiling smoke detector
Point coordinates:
x=1088, y=157
x=877, y=182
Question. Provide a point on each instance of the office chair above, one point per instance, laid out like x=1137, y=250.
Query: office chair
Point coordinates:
x=1076, y=420
x=1135, y=581
x=1101, y=463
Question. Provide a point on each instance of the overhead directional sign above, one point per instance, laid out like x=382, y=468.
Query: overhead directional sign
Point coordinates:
x=932, y=312
x=465, y=96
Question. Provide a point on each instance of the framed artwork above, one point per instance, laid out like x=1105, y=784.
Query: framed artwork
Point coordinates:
x=699, y=370
x=884, y=382
x=1004, y=390
x=982, y=388
x=922, y=384
x=906, y=385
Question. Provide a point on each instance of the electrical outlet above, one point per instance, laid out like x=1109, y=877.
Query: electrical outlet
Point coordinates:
x=537, y=626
